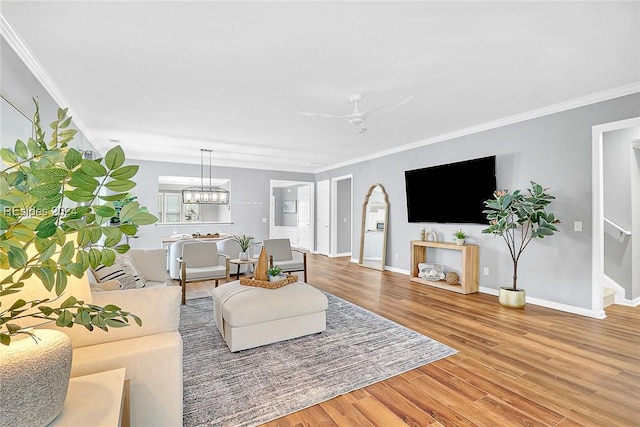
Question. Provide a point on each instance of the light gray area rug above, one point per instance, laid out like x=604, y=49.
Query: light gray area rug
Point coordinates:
x=254, y=386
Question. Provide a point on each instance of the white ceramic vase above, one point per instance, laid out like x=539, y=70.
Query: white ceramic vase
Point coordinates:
x=35, y=377
x=244, y=256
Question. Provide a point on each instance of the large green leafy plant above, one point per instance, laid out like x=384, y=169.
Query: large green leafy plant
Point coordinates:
x=519, y=218
x=55, y=218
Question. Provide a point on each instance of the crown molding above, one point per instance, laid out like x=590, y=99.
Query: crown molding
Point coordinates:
x=24, y=53
x=545, y=111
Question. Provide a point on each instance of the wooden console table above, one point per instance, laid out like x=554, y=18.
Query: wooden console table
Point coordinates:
x=469, y=271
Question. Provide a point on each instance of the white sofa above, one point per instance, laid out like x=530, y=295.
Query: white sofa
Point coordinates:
x=151, y=354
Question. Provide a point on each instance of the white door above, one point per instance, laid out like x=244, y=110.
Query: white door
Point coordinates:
x=304, y=218
x=323, y=215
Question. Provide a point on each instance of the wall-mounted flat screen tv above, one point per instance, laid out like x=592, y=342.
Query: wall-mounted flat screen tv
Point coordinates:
x=451, y=193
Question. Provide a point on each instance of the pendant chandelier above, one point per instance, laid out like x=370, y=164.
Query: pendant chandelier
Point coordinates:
x=205, y=194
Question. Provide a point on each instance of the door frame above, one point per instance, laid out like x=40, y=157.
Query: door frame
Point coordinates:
x=324, y=209
x=280, y=183
x=598, y=278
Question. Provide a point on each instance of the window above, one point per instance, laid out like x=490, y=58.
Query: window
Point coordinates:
x=171, y=210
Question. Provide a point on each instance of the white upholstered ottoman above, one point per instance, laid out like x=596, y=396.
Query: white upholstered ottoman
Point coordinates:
x=249, y=316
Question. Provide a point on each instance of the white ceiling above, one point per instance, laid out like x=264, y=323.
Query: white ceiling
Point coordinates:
x=168, y=78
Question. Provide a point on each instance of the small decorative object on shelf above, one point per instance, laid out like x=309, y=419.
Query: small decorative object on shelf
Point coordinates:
x=423, y=234
x=452, y=278
x=460, y=237
x=431, y=234
x=431, y=271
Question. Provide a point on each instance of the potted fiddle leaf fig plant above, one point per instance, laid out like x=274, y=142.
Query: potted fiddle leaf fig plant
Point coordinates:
x=55, y=206
x=519, y=218
x=56, y=212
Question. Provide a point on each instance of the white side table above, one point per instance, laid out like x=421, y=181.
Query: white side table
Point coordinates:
x=99, y=400
x=240, y=262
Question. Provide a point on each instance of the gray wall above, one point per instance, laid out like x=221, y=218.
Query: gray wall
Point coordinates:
x=19, y=86
x=555, y=151
x=285, y=219
x=249, y=199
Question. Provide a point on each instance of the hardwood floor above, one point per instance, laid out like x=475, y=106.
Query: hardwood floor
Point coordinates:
x=530, y=367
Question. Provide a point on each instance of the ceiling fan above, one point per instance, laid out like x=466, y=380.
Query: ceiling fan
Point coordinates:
x=357, y=117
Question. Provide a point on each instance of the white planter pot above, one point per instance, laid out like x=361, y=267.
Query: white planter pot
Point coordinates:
x=34, y=377
x=277, y=278
x=510, y=298
x=460, y=242
x=244, y=256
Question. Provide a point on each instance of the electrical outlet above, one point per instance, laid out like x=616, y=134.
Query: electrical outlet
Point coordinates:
x=264, y=220
x=577, y=226
x=486, y=271
x=396, y=256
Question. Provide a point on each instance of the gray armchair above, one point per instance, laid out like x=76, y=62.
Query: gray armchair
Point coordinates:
x=198, y=260
x=281, y=254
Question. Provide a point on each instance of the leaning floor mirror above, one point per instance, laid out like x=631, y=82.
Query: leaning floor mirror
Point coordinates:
x=373, y=237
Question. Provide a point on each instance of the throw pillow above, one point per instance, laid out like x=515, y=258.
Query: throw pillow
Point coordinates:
x=123, y=269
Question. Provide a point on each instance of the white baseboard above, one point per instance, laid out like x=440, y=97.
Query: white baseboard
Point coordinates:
x=630, y=302
x=534, y=301
x=397, y=270
x=331, y=255
x=339, y=255
x=554, y=305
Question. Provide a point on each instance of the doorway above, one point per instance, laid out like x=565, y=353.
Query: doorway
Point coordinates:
x=292, y=212
x=341, y=215
x=615, y=216
x=323, y=224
